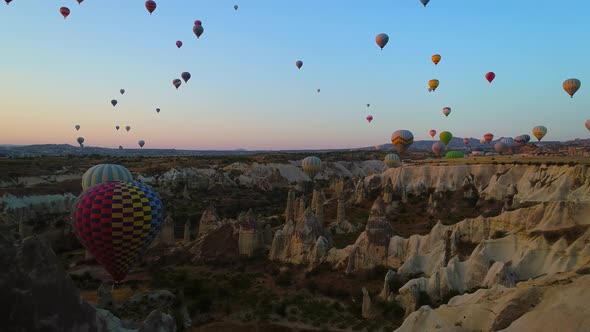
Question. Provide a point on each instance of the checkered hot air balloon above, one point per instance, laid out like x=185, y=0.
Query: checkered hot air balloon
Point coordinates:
x=101, y=173
x=116, y=221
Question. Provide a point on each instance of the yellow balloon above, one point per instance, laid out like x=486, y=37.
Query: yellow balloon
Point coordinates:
x=436, y=59
x=433, y=84
x=571, y=86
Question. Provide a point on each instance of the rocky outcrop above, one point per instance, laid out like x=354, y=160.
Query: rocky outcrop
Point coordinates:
x=250, y=237
x=166, y=236
x=209, y=221
x=367, y=312
x=217, y=244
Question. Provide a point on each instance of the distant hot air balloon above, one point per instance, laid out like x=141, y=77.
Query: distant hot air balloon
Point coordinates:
x=392, y=160
x=114, y=102
x=466, y=141
x=117, y=127
x=436, y=59
x=77, y=127
x=433, y=84
x=122, y=91
x=127, y=128
x=198, y=22
x=120, y=147
x=490, y=76
x=129, y=218
x=186, y=76
x=8, y=2
x=198, y=30
x=299, y=64
x=311, y=166
x=454, y=155
x=438, y=148
x=377, y=147
x=178, y=44
x=445, y=137
x=176, y=82
x=141, y=143
x=382, y=39
x=525, y=138
x=587, y=124
x=80, y=1
x=401, y=140
x=488, y=137
x=80, y=140
x=235, y=7
x=500, y=147
x=369, y=118
x=368, y=105
x=539, y=132
x=102, y=173
x=571, y=86
x=157, y=110
x=65, y=11
x=150, y=5
x=318, y=90
x=446, y=111
x=424, y=2
x=432, y=132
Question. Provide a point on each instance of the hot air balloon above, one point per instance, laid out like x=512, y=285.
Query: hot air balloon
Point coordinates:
x=117, y=127
x=198, y=22
x=122, y=91
x=587, y=124
x=8, y=2
x=436, y=59
x=318, y=90
x=157, y=110
x=433, y=84
x=488, y=137
x=539, y=132
x=102, y=173
x=401, y=140
x=80, y=1
x=369, y=118
x=120, y=147
x=571, y=85
x=311, y=166
x=77, y=127
x=80, y=140
x=466, y=141
x=178, y=44
x=490, y=76
x=432, y=132
x=500, y=147
x=65, y=11
x=437, y=148
x=150, y=5
x=198, y=30
x=299, y=64
x=526, y=138
x=176, y=82
x=424, y=2
x=368, y=105
x=382, y=39
x=377, y=147
x=518, y=140
x=127, y=128
x=186, y=76
x=454, y=155
x=129, y=218
x=445, y=137
x=392, y=160
x=114, y=102
x=446, y=111
x=141, y=143
x=509, y=141
x=235, y=7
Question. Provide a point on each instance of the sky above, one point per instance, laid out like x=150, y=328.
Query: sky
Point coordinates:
x=246, y=92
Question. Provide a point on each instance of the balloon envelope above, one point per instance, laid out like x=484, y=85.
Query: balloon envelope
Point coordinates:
x=117, y=127
x=65, y=12
x=198, y=30
x=150, y=5
x=382, y=39
x=178, y=44
x=466, y=141
x=157, y=110
x=369, y=118
x=236, y=7
x=392, y=160
x=433, y=84
x=141, y=143
x=571, y=86
x=500, y=147
x=299, y=64
x=198, y=22
x=311, y=166
x=114, y=102
x=436, y=59
x=445, y=137
x=176, y=82
x=122, y=91
x=186, y=76
x=432, y=132
x=127, y=128
x=490, y=76
x=424, y=2
x=446, y=111
x=129, y=218
x=454, y=155
x=438, y=148
x=402, y=140
x=80, y=140
x=587, y=124
x=539, y=132
x=101, y=173
x=77, y=127
x=488, y=137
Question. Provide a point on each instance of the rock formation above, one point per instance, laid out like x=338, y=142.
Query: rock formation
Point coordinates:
x=167, y=232
x=250, y=237
x=187, y=232
x=301, y=208
x=290, y=209
x=367, y=312
x=209, y=221
x=384, y=295
x=104, y=297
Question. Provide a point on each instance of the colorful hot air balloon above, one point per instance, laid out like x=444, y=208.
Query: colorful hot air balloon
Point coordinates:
x=466, y=141
x=127, y=128
x=311, y=166
x=433, y=84
x=198, y=30
x=176, y=82
x=80, y=1
x=438, y=148
x=445, y=137
x=571, y=85
x=424, y=2
x=392, y=160
x=65, y=12
x=141, y=143
x=178, y=44
x=401, y=140
x=198, y=22
x=157, y=110
x=490, y=76
x=369, y=118
x=436, y=59
x=539, y=132
x=382, y=39
x=80, y=140
x=117, y=127
x=432, y=132
x=525, y=138
x=446, y=111
x=122, y=91
x=114, y=102
x=186, y=76
x=587, y=124
x=129, y=218
x=299, y=64
x=150, y=5
x=500, y=147
x=488, y=137
x=235, y=7
x=102, y=173
x=77, y=127
x=454, y=155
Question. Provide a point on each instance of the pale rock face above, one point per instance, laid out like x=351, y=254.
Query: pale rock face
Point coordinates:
x=366, y=307
x=389, y=276
x=250, y=236
x=209, y=221
x=27, y=208
x=167, y=232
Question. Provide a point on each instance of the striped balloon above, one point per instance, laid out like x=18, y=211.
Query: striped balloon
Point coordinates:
x=116, y=221
x=311, y=166
x=454, y=155
x=401, y=140
x=571, y=86
x=392, y=160
x=488, y=137
x=101, y=173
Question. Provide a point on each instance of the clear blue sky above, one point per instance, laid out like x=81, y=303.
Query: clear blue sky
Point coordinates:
x=246, y=92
